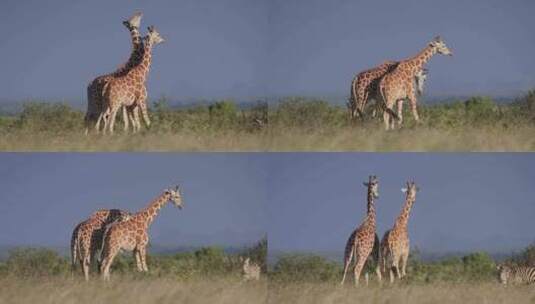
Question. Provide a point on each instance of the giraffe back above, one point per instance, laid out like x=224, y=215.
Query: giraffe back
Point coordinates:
x=513, y=274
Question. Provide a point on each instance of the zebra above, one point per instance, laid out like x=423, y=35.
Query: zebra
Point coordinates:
x=516, y=274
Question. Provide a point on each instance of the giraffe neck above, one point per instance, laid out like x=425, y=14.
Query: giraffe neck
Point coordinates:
x=150, y=212
x=144, y=65
x=403, y=217
x=417, y=62
x=137, y=52
x=371, y=208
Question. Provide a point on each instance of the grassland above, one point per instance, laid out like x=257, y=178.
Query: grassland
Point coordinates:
x=124, y=289
x=438, y=293
x=291, y=124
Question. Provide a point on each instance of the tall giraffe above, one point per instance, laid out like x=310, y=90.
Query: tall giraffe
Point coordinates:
x=398, y=84
x=132, y=234
x=96, y=87
x=129, y=89
x=86, y=238
x=363, y=239
x=395, y=243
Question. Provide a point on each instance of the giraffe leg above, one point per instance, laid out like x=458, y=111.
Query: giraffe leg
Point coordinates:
x=106, y=264
x=135, y=119
x=399, y=104
x=112, y=118
x=358, y=268
x=144, y=112
x=413, y=103
x=404, y=259
x=137, y=256
x=386, y=120
x=347, y=262
x=86, y=263
x=143, y=255
x=125, y=119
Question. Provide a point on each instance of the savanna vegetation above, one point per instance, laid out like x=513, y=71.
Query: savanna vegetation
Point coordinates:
x=472, y=278
x=290, y=124
x=206, y=275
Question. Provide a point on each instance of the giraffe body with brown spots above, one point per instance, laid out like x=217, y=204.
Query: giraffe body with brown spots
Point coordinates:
x=86, y=238
x=362, y=241
x=129, y=89
x=395, y=245
x=365, y=87
x=398, y=85
x=132, y=235
x=95, y=90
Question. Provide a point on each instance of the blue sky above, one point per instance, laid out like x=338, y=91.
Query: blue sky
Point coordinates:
x=44, y=195
x=240, y=49
x=303, y=201
x=471, y=201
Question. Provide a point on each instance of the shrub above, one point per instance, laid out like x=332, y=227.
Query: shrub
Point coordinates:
x=301, y=267
x=223, y=114
x=35, y=262
x=56, y=117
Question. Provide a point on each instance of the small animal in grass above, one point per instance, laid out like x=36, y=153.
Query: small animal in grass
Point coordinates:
x=250, y=270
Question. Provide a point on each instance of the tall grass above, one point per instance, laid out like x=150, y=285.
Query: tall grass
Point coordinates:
x=291, y=124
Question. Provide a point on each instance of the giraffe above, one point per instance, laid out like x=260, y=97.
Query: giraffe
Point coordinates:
x=95, y=88
x=395, y=243
x=419, y=81
x=364, y=238
x=364, y=87
x=132, y=234
x=398, y=85
x=86, y=237
x=129, y=89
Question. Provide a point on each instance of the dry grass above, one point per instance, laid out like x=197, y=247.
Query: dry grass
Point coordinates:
x=130, y=290
x=437, y=293
x=368, y=138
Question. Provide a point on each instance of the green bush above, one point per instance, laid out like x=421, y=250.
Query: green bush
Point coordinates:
x=55, y=117
x=308, y=268
x=307, y=113
x=526, y=257
x=35, y=262
x=223, y=114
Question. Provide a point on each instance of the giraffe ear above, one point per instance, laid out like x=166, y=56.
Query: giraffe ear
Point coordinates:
x=403, y=190
x=417, y=189
x=366, y=184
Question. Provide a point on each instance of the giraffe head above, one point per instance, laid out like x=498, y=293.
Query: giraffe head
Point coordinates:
x=153, y=37
x=440, y=46
x=411, y=190
x=134, y=21
x=373, y=186
x=175, y=196
x=503, y=273
x=420, y=77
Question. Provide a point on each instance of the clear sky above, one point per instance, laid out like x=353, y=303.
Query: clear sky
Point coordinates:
x=45, y=195
x=467, y=201
x=241, y=48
